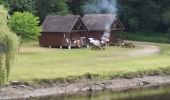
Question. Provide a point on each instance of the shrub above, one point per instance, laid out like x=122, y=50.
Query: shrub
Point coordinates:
x=25, y=25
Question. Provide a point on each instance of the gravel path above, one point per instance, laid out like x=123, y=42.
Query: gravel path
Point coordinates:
x=146, y=49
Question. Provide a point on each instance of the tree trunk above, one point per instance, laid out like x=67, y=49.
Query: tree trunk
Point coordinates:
x=2, y=69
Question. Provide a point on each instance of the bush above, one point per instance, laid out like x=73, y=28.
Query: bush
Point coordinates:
x=155, y=37
x=25, y=25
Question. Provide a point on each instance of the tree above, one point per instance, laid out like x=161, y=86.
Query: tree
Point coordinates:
x=76, y=6
x=147, y=15
x=25, y=25
x=166, y=18
x=133, y=22
x=21, y=6
x=1, y=1
x=10, y=42
x=45, y=7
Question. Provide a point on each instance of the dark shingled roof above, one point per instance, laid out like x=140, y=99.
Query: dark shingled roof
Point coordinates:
x=55, y=23
x=98, y=22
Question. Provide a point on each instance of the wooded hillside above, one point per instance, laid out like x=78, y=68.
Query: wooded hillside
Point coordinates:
x=136, y=15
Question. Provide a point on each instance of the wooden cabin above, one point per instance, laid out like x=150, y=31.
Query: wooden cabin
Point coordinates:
x=63, y=31
x=98, y=24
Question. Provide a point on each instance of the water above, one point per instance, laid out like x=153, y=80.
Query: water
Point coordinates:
x=154, y=93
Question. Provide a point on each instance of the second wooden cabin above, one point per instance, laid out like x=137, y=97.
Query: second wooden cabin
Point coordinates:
x=99, y=23
x=63, y=31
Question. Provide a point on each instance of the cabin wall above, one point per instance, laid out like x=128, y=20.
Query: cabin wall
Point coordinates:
x=77, y=35
x=79, y=39
x=98, y=34
x=51, y=39
x=113, y=37
x=59, y=39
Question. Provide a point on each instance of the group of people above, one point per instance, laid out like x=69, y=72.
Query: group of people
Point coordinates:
x=102, y=43
x=98, y=44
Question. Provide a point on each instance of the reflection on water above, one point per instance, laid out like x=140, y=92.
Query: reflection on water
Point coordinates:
x=154, y=93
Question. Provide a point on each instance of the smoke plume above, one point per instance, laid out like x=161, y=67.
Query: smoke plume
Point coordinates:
x=101, y=7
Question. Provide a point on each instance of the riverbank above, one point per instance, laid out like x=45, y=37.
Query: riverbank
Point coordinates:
x=84, y=85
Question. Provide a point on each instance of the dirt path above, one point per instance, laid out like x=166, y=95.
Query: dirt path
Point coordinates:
x=146, y=49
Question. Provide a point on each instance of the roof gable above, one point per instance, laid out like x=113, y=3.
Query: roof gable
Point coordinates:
x=117, y=25
x=79, y=26
x=99, y=22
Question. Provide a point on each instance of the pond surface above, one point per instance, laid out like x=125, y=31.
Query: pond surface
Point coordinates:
x=153, y=93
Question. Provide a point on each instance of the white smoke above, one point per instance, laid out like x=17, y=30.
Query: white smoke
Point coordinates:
x=103, y=7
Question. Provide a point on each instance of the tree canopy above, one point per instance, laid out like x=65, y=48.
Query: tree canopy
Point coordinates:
x=25, y=25
x=145, y=15
x=136, y=15
x=45, y=7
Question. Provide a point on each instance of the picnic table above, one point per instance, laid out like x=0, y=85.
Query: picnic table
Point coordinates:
x=128, y=45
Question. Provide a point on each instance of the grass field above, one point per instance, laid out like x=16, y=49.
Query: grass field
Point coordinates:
x=35, y=63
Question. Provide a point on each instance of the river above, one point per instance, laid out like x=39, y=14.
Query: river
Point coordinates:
x=152, y=93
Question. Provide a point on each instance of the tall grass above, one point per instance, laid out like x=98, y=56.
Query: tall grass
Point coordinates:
x=110, y=75
x=149, y=37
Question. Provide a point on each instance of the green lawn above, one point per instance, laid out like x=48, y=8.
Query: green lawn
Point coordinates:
x=34, y=62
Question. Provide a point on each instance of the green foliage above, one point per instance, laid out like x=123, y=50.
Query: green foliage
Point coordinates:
x=148, y=37
x=25, y=25
x=45, y=7
x=4, y=3
x=136, y=15
x=151, y=15
x=133, y=22
x=21, y=6
x=10, y=41
x=166, y=16
x=76, y=6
